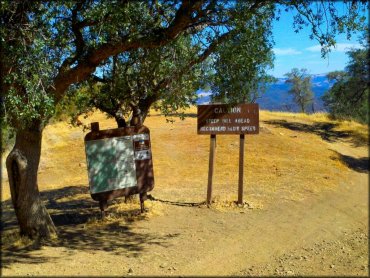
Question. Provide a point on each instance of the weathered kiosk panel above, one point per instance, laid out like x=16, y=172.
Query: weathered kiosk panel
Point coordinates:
x=119, y=163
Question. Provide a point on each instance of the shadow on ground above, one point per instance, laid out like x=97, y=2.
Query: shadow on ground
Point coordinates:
x=324, y=130
x=360, y=165
x=174, y=203
x=76, y=231
x=175, y=115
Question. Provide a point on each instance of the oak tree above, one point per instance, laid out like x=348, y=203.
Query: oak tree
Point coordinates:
x=349, y=96
x=301, y=87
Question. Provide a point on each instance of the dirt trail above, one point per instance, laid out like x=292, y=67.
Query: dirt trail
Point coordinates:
x=323, y=234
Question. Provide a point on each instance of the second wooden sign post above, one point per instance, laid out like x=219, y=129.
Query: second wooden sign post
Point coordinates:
x=221, y=119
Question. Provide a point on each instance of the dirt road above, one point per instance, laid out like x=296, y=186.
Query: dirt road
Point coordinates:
x=325, y=233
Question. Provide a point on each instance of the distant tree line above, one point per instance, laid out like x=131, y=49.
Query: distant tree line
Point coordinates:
x=348, y=98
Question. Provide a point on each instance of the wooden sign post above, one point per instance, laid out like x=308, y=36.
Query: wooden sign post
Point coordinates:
x=212, y=151
x=241, y=169
x=216, y=119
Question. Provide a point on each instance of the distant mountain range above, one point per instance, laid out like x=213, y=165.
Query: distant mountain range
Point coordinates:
x=277, y=97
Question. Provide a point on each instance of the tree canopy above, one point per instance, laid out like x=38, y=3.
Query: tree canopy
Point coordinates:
x=137, y=79
x=349, y=96
x=168, y=76
x=239, y=66
x=48, y=46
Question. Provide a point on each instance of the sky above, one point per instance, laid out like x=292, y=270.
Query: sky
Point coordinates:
x=297, y=50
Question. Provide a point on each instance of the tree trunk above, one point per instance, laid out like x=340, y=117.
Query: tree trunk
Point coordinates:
x=120, y=121
x=22, y=164
x=145, y=104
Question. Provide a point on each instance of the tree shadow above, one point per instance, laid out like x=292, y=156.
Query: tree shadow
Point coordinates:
x=186, y=115
x=324, y=130
x=360, y=165
x=8, y=219
x=70, y=212
x=79, y=229
x=14, y=254
x=174, y=203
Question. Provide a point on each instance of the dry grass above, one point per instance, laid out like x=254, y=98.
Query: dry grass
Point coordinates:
x=15, y=239
x=280, y=162
x=357, y=131
x=289, y=161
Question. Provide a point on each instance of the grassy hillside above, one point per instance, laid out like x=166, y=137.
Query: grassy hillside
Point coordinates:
x=306, y=211
x=278, y=161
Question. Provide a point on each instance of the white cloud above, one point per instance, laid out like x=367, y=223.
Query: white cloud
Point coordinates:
x=319, y=75
x=315, y=48
x=286, y=51
x=339, y=47
x=281, y=81
x=204, y=94
x=317, y=84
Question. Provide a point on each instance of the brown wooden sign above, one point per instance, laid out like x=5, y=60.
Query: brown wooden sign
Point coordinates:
x=228, y=119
